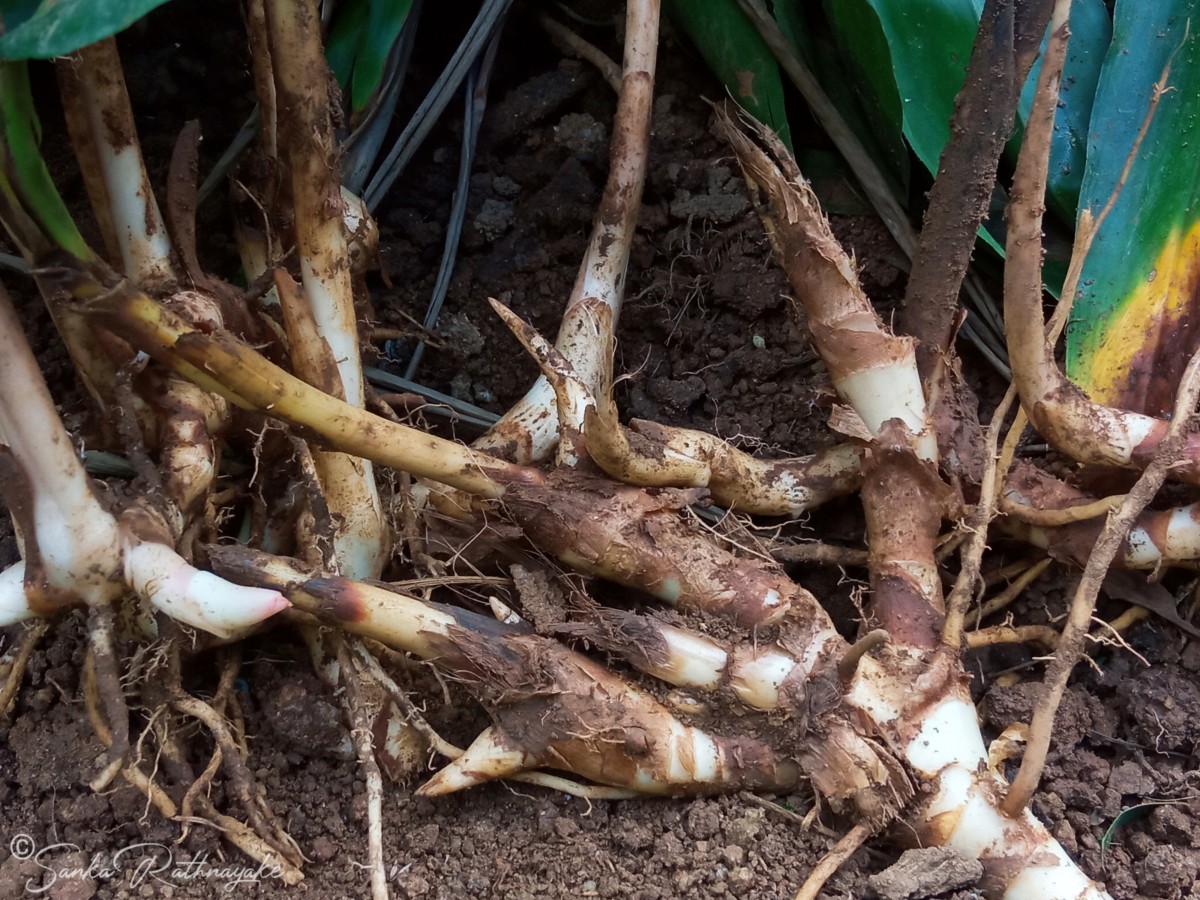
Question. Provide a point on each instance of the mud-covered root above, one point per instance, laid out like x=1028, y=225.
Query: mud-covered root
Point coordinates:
x=266, y=831
x=551, y=706
x=319, y=315
x=558, y=709
x=15, y=661
x=264, y=849
x=637, y=538
x=648, y=454
x=1158, y=537
x=109, y=700
x=653, y=455
x=797, y=675
x=909, y=693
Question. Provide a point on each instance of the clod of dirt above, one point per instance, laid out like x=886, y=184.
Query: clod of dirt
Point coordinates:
x=1132, y=779
x=1175, y=823
x=703, y=821
x=743, y=831
x=17, y=874
x=924, y=873
x=494, y=219
x=722, y=201
x=460, y=336
x=305, y=720
x=580, y=133
x=1007, y=705
x=1167, y=871
x=533, y=101
x=1165, y=708
x=54, y=749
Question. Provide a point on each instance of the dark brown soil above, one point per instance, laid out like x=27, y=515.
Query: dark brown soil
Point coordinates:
x=706, y=341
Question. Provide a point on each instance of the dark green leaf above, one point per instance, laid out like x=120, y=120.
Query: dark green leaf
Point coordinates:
x=868, y=60
x=360, y=40
x=930, y=47
x=383, y=29
x=733, y=49
x=807, y=30
x=41, y=30
x=345, y=39
x=37, y=211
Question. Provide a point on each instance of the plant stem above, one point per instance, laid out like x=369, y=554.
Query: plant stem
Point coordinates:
x=1069, y=420
x=327, y=354
x=872, y=369
x=71, y=541
x=1005, y=47
x=221, y=363
x=585, y=336
x=94, y=85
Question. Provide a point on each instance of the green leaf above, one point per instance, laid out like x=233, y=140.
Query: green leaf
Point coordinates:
x=41, y=29
x=733, y=49
x=33, y=210
x=823, y=50
x=1136, y=320
x=1130, y=814
x=360, y=40
x=345, y=39
x=930, y=46
x=867, y=60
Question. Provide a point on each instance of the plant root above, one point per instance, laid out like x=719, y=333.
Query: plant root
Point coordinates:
x=241, y=779
x=1013, y=634
x=132, y=773
x=846, y=847
x=361, y=734
x=15, y=661
x=103, y=661
x=913, y=689
x=1005, y=597
x=413, y=716
x=529, y=430
x=1115, y=533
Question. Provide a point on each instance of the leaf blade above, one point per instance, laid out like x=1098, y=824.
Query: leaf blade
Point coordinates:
x=735, y=51
x=58, y=27
x=1136, y=320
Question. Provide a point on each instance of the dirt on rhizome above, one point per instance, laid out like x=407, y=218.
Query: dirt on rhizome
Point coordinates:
x=707, y=342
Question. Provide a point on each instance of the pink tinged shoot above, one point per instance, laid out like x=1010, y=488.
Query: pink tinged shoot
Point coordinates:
x=196, y=598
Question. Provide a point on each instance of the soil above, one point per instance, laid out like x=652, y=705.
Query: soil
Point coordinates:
x=706, y=341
